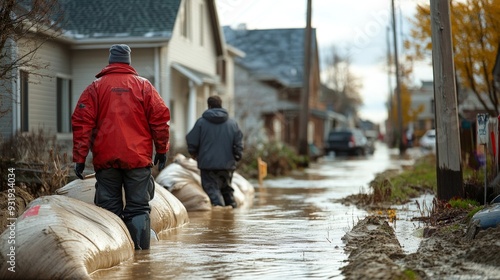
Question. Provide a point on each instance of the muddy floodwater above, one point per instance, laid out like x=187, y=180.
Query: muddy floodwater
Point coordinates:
x=293, y=229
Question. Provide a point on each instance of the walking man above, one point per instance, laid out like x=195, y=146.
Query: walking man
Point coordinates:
x=216, y=142
x=119, y=117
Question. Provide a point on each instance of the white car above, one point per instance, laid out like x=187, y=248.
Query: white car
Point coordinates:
x=428, y=140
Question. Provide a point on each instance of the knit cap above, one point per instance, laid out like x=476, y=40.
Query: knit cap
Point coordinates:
x=119, y=53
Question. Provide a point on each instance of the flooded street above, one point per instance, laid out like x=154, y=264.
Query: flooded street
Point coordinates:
x=293, y=229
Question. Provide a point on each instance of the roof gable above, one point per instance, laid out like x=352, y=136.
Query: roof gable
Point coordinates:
x=87, y=19
x=271, y=54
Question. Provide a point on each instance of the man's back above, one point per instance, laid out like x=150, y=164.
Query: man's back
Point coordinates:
x=215, y=139
x=123, y=106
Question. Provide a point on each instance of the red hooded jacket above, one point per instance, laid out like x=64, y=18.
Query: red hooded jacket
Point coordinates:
x=118, y=117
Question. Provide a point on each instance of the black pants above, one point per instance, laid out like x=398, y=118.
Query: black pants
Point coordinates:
x=217, y=185
x=138, y=185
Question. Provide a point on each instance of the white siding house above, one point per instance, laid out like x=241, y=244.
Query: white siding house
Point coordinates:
x=179, y=47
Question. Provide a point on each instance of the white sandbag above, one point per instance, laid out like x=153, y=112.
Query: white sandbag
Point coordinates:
x=59, y=237
x=192, y=196
x=176, y=176
x=243, y=184
x=167, y=211
x=182, y=178
x=83, y=190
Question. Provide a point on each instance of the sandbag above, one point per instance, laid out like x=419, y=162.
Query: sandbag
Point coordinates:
x=182, y=179
x=59, y=237
x=167, y=211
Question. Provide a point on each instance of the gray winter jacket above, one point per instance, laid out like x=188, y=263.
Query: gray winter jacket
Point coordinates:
x=215, y=141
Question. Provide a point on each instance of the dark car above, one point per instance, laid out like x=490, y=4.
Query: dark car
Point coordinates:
x=350, y=140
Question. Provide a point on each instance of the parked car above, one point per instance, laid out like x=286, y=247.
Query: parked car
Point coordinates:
x=349, y=140
x=428, y=140
x=371, y=138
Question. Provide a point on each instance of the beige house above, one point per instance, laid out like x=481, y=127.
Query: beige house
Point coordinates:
x=423, y=97
x=177, y=44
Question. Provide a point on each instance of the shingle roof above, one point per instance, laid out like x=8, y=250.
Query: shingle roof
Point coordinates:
x=118, y=18
x=271, y=53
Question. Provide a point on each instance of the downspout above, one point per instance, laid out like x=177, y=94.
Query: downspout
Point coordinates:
x=16, y=110
x=156, y=66
x=191, y=105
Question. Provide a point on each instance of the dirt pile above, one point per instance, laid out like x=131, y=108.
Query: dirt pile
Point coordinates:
x=373, y=249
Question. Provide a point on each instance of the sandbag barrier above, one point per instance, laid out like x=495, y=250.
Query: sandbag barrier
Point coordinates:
x=167, y=212
x=182, y=179
x=60, y=237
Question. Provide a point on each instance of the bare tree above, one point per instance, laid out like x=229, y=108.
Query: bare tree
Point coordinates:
x=34, y=22
x=345, y=95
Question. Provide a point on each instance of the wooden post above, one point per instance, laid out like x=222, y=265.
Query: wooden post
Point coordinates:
x=400, y=134
x=449, y=162
x=262, y=168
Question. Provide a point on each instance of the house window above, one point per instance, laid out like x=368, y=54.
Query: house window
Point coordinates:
x=221, y=69
x=202, y=19
x=24, y=100
x=184, y=18
x=421, y=125
x=63, y=105
x=172, y=107
x=277, y=129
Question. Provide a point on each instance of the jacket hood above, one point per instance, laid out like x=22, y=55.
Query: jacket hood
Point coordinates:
x=114, y=68
x=216, y=115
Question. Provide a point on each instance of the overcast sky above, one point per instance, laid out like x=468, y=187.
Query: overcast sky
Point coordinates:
x=360, y=25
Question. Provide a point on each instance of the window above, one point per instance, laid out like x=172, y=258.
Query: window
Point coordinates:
x=184, y=19
x=202, y=19
x=221, y=69
x=63, y=105
x=23, y=77
x=172, y=109
x=421, y=125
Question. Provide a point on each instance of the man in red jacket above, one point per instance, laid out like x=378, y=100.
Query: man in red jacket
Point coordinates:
x=119, y=117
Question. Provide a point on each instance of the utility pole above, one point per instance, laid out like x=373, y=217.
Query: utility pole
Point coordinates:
x=390, y=122
x=304, y=100
x=449, y=162
x=402, y=147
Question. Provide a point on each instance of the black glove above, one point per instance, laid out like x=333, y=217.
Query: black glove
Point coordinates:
x=160, y=159
x=79, y=167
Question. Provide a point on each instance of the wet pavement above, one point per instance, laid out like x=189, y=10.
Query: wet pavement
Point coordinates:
x=293, y=229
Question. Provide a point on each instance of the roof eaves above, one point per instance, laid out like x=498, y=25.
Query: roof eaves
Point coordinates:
x=133, y=42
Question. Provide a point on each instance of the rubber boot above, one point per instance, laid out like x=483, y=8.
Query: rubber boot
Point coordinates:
x=140, y=230
x=227, y=193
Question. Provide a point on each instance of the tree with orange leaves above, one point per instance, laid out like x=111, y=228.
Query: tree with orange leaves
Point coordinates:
x=475, y=25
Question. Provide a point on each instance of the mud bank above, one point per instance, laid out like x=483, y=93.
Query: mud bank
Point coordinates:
x=375, y=253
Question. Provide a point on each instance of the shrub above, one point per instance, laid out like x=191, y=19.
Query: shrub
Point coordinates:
x=281, y=159
x=39, y=163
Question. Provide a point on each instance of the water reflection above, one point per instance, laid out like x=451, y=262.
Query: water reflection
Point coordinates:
x=293, y=230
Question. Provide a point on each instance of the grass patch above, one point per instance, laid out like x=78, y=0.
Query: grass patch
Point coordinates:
x=410, y=274
x=463, y=203
x=473, y=211
x=396, y=187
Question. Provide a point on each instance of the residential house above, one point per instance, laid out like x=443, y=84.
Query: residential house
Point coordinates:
x=177, y=44
x=269, y=81
x=468, y=104
x=423, y=97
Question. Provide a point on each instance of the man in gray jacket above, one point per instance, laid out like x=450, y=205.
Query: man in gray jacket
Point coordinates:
x=216, y=142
